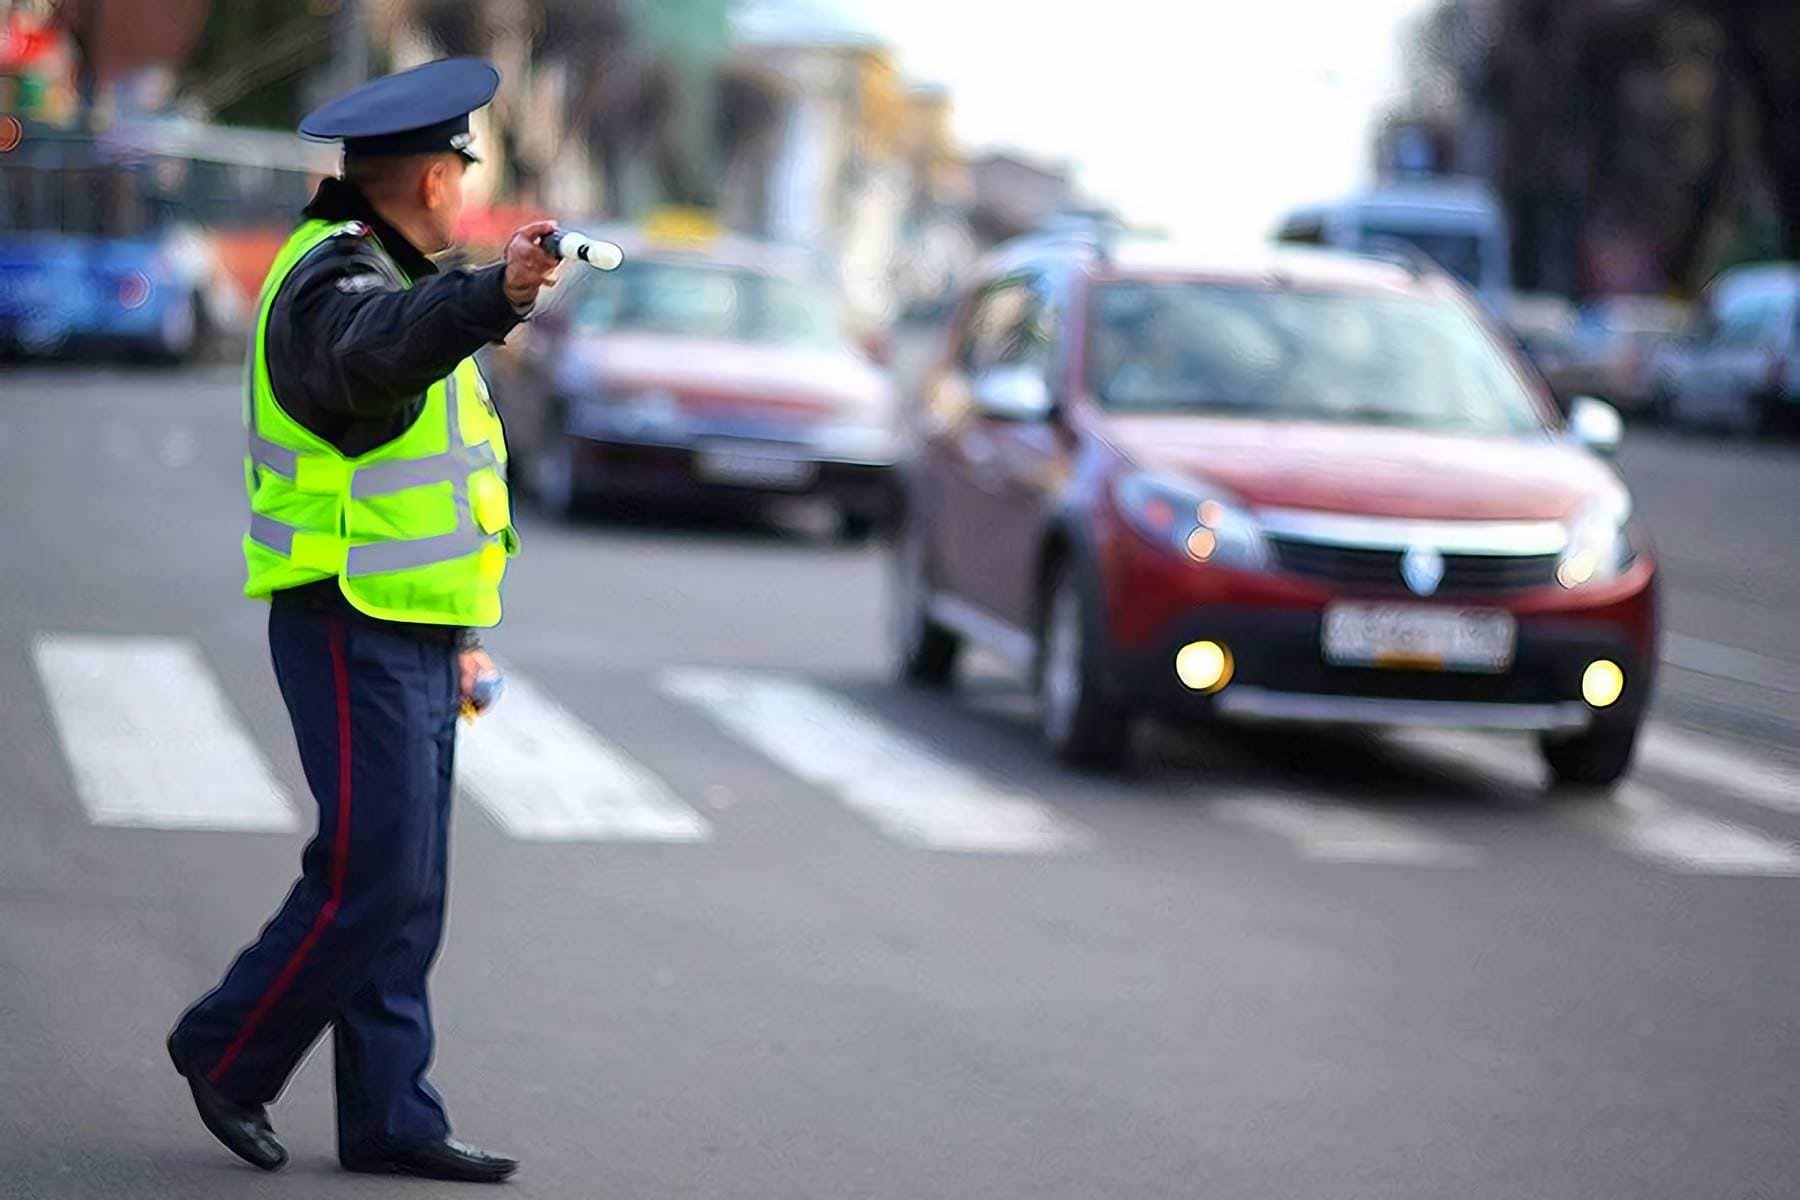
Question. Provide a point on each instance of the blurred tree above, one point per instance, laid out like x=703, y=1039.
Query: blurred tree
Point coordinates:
x=1626, y=134
x=251, y=62
x=1765, y=45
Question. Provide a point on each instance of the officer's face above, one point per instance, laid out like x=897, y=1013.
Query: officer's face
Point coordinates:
x=443, y=196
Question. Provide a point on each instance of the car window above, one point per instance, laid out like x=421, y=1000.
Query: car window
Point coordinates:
x=1751, y=320
x=1009, y=323
x=1214, y=348
x=707, y=300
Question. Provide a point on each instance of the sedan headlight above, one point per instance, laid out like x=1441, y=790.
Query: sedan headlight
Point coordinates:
x=1599, y=547
x=1200, y=522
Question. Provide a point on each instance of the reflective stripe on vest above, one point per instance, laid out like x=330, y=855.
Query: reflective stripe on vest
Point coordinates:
x=324, y=473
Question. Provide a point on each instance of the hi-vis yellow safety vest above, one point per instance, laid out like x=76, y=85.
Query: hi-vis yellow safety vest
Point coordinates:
x=418, y=529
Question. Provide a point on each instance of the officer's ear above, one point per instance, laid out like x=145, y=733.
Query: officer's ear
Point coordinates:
x=442, y=181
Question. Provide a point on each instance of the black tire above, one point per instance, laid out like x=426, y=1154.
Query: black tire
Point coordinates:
x=854, y=528
x=552, y=477
x=1662, y=404
x=925, y=652
x=1078, y=722
x=1595, y=760
x=1768, y=415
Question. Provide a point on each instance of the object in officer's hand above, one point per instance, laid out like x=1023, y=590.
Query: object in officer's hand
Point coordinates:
x=482, y=695
x=566, y=244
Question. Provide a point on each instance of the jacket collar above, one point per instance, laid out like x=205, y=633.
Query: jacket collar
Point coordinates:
x=337, y=200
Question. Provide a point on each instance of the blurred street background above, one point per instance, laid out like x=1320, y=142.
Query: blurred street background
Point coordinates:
x=736, y=914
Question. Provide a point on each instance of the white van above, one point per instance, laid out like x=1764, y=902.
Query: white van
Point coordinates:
x=1458, y=223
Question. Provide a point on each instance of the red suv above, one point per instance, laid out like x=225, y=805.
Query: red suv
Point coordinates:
x=1301, y=486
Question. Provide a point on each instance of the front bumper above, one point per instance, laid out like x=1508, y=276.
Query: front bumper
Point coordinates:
x=1280, y=674
x=615, y=467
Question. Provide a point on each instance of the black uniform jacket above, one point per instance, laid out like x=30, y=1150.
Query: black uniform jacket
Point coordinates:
x=352, y=349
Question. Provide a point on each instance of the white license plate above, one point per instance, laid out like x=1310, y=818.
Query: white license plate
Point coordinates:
x=1412, y=637
x=754, y=466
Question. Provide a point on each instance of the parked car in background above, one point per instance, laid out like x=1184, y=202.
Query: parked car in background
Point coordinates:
x=1544, y=328
x=1738, y=365
x=1614, y=343
x=1301, y=487
x=707, y=367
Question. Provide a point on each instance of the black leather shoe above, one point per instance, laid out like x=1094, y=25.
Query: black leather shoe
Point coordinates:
x=448, y=1160
x=243, y=1129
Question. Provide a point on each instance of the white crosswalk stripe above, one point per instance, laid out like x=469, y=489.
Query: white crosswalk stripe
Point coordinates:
x=543, y=775
x=1645, y=823
x=1329, y=831
x=1716, y=763
x=1637, y=819
x=151, y=740
x=906, y=790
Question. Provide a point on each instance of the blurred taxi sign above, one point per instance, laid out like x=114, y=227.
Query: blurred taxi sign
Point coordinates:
x=679, y=226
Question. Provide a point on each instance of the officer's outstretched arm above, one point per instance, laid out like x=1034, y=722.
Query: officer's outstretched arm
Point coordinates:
x=381, y=345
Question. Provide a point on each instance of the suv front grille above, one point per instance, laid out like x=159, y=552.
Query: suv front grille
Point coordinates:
x=1379, y=570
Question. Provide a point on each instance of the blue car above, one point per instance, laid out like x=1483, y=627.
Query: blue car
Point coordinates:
x=90, y=261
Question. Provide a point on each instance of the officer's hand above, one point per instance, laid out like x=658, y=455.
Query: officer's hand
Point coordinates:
x=528, y=265
x=474, y=664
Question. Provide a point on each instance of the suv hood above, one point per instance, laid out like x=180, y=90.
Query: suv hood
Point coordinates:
x=1370, y=470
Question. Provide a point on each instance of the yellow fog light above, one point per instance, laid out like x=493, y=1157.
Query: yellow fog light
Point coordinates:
x=1203, y=666
x=1602, y=683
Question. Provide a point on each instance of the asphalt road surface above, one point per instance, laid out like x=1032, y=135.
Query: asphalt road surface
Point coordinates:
x=735, y=916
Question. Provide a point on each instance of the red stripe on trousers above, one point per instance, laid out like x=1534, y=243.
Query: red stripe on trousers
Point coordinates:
x=340, y=854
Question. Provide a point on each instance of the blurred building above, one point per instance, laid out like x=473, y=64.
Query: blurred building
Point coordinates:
x=1013, y=195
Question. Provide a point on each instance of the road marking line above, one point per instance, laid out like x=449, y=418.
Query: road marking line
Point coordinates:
x=151, y=740
x=1636, y=819
x=1648, y=825
x=545, y=776
x=1729, y=662
x=905, y=789
x=1707, y=760
x=1332, y=832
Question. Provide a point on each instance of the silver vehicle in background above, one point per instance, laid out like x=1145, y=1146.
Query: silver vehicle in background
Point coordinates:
x=1738, y=365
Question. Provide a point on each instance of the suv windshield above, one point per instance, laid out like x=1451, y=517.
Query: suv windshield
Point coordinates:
x=1159, y=347
x=705, y=300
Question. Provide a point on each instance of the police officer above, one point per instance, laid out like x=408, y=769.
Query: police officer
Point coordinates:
x=380, y=528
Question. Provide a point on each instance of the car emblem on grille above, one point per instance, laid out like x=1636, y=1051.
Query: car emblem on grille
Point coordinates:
x=1422, y=569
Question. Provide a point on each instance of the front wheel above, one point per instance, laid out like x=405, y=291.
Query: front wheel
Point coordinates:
x=1595, y=760
x=925, y=652
x=1079, y=724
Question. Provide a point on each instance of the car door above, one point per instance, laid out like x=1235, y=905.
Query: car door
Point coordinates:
x=1031, y=458
x=1733, y=365
x=976, y=460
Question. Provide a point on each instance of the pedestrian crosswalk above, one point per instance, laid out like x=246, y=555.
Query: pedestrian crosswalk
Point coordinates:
x=151, y=741
x=543, y=775
x=903, y=788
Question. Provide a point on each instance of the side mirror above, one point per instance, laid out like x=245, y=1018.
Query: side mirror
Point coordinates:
x=1596, y=425
x=1012, y=393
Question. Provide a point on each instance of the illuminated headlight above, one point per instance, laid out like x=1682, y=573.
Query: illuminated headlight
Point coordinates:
x=1599, y=544
x=1198, y=522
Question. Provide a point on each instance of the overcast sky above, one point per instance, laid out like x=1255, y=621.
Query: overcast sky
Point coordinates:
x=1207, y=116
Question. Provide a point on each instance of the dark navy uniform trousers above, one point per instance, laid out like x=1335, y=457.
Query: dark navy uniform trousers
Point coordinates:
x=374, y=713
